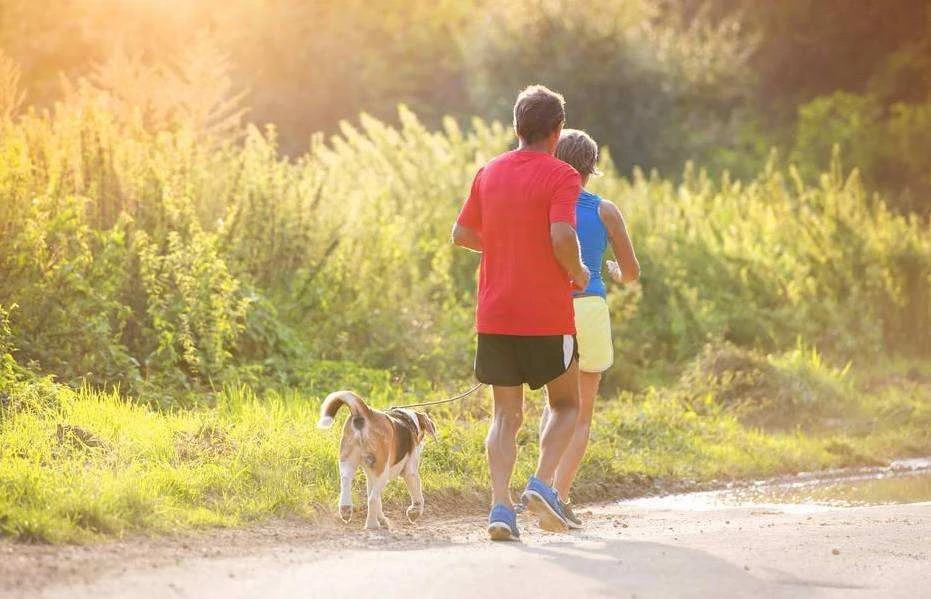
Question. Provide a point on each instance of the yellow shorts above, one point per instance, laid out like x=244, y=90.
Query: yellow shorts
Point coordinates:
x=593, y=331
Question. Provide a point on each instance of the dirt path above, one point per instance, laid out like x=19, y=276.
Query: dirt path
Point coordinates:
x=636, y=549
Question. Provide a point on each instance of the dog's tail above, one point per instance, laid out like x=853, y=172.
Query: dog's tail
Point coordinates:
x=334, y=401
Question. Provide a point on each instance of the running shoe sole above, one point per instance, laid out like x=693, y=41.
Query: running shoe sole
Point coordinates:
x=549, y=519
x=499, y=531
x=573, y=525
x=571, y=521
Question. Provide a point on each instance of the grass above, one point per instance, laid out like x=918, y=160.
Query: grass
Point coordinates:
x=79, y=465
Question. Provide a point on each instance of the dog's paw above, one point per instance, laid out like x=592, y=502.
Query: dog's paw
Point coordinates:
x=372, y=525
x=414, y=512
x=345, y=513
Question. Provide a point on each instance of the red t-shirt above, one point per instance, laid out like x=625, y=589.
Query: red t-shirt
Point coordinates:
x=522, y=288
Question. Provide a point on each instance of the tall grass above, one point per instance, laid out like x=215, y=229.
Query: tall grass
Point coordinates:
x=767, y=262
x=80, y=464
x=164, y=259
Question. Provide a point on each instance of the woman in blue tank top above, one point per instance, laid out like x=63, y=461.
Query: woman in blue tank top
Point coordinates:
x=598, y=224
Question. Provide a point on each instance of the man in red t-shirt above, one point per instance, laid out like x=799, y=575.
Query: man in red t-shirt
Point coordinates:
x=520, y=215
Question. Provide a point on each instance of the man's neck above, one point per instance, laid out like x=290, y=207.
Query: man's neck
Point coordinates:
x=540, y=146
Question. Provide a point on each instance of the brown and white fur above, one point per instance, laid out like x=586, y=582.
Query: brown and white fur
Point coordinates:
x=386, y=444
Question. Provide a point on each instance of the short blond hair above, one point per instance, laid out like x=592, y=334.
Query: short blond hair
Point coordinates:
x=578, y=149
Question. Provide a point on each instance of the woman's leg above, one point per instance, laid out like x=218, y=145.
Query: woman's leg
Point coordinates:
x=572, y=458
x=596, y=352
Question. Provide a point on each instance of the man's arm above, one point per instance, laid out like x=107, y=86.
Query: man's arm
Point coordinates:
x=467, y=238
x=467, y=230
x=566, y=187
x=567, y=252
x=620, y=242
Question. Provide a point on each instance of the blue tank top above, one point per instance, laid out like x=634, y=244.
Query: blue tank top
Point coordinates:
x=593, y=237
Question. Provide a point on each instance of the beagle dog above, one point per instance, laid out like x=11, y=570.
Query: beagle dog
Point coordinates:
x=386, y=444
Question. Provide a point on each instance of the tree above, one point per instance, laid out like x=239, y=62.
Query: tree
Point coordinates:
x=656, y=93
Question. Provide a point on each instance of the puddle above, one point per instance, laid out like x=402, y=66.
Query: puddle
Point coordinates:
x=905, y=481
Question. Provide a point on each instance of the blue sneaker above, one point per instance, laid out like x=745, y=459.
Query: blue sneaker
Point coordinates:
x=502, y=524
x=543, y=501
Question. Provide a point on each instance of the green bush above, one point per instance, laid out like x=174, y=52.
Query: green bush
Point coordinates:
x=194, y=307
x=842, y=118
x=792, y=389
x=164, y=260
x=766, y=262
x=8, y=367
x=888, y=143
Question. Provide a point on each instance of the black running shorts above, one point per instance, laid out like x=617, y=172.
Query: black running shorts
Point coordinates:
x=512, y=360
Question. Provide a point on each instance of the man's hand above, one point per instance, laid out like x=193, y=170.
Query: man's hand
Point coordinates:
x=566, y=250
x=582, y=277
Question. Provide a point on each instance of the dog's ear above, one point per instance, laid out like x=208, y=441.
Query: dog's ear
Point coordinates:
x=426, y=424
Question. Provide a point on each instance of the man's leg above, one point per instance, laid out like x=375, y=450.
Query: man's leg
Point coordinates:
x=501, y=443
x=563, y=403
x=572, y=458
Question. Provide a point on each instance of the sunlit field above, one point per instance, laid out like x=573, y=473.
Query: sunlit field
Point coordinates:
x=78, y=465
x=195, y=250
x=204, y=286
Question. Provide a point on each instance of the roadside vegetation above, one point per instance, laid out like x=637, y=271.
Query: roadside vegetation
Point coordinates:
x=659, y=81
x=169, y=261
x=176, y=296
x=78, y=465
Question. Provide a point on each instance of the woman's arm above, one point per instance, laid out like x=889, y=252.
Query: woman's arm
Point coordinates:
x=620, y=243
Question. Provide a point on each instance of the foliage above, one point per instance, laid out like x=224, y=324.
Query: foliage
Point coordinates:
x=170, y=259
x=11, y=93
x=808, y=49
x=795, y=389
x=658, y=81
x=764, y=263
x=906, y=143
x=844, y=119
x=191, y=88
x=889, y=145
x=194, y=305
x=118, y=280
x=8, y=367
x=828, y=72
x=654, y=92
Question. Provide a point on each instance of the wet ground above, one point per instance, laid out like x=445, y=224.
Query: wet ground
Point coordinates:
x=904, y=481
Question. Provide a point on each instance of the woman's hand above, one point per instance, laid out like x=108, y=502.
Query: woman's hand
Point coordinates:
x=614, y=271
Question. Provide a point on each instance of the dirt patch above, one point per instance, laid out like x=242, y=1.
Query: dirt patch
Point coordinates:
x=626, y=549
x=32, y=567
x=26, y=567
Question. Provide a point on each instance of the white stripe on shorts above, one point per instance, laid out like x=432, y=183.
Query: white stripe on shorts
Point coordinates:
x=567, y=347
